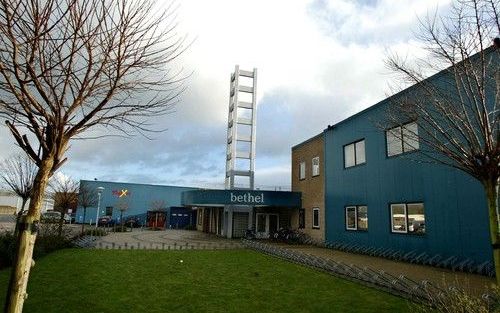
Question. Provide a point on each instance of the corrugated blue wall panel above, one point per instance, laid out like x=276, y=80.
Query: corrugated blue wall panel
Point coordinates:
x=139, y=198
x=455, y=206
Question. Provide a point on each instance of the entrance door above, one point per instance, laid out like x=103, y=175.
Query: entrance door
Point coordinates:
x=266, y=224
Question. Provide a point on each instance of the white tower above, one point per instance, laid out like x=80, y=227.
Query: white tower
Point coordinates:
x=240, y=156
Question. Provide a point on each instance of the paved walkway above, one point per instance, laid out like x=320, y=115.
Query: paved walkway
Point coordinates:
x=161, y=239
x=476, y=284
x=184, y=239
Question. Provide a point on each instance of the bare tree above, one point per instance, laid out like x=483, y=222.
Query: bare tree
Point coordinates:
x=64, y=192
x=18, y=174
x=122, y=206
x=86, y=198
x=457, y=109
x=70, y=66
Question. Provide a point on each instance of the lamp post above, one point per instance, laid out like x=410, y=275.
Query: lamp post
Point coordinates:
x=99, y=191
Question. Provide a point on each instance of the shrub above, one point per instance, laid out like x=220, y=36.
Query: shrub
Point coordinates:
x=456, y=300
x=48, y=240
x=99, y=232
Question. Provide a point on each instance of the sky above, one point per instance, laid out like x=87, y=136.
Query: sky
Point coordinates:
x=318, y=62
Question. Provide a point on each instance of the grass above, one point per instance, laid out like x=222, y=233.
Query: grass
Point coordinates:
x=205, y=281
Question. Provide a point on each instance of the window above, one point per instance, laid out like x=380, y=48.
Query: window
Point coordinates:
x=302, y=170
x=402, y=139
x=408, y=218
x=302, y=218
x=109, y=210
x=354, y=153
x=356, y=217
x=315, y=166
x=315, y=218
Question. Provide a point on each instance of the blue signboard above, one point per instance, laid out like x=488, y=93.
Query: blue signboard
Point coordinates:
x=242, y=197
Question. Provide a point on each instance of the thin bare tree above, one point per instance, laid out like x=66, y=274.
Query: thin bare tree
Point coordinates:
x=457, y=110
x=87, y=198
x=64, y=192
x=18, y=173
x=71, y=66
x=122, y=205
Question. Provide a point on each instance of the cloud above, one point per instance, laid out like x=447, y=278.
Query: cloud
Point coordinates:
x=318, y=62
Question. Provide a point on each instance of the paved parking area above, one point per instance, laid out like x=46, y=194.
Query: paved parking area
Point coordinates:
x=170, y=237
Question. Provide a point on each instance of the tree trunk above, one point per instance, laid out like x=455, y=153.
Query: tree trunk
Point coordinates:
x=25, y=241
x=61, y=223
x=491, y=188
x=83, y=222
x=19, y=215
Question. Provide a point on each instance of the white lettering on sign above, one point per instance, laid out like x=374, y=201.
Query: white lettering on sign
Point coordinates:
x=247, y=198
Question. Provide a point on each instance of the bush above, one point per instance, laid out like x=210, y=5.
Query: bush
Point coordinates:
x=48, y=240
x=456, y=300
x=99, y=232
x=120, y=229
x=190, y=227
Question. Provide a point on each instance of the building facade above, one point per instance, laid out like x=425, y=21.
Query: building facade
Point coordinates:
x=308, y=179
x=382, y=197
x=137, y=200
x=380, y=193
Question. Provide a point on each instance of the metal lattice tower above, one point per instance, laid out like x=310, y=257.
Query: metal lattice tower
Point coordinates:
x=240, y=156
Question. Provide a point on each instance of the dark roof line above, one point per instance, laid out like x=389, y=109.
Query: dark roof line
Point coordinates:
x=407, y=89
x=308, y=140
x=129, y=183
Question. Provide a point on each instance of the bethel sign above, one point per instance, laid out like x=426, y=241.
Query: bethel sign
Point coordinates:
x=247, y=198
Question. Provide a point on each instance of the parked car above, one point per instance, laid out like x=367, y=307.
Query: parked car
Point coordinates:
x=132, y=221
x=50, y=217
x=106, y=220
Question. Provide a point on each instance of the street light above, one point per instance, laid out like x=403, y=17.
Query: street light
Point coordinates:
x=99, y=191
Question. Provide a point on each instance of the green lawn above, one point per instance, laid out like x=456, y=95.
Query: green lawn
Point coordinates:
x=205, y=281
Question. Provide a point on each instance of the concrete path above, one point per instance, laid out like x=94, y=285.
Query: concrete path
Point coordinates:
x=476, y=284
x=161, y=239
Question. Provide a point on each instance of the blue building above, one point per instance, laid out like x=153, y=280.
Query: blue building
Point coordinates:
x=379, y=192
x=221, y=212
x=137, y=200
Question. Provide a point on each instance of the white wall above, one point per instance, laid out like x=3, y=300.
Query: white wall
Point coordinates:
x=10, y=199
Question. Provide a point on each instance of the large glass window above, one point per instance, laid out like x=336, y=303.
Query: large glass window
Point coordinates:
x=302, y=170
x=416, y=218
x=408, y=218
x=315, y=166
x=315, y=218
x=402, y=139
x=362, y=217
x=350, y=217
x=356, y=217
x=354, y=153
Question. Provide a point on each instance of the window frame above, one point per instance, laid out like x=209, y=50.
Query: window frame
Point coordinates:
x=356, y=209
x=346, y=208
x=313, y=225
x=300, y=170
x=355, y=153
x=313, y=167
x=406, y=231
x=402, y=140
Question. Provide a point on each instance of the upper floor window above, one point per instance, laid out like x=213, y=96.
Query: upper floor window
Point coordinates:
x=354, y=153
x=408, y=218
x=315, y=166
x=402, y=139
x=302, y=170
